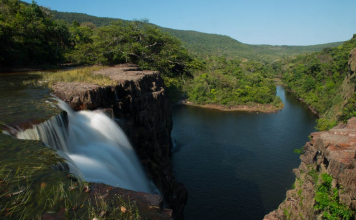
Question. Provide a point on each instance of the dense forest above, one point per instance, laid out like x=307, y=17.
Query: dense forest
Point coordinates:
x=231, y=82
x=323, y=81
x=29, y=35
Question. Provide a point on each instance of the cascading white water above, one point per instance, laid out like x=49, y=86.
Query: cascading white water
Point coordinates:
x=95, y=147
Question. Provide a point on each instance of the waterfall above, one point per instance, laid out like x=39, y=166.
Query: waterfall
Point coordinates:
x=94, y=146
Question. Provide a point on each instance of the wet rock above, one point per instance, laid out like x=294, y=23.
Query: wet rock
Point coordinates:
x=107, y=111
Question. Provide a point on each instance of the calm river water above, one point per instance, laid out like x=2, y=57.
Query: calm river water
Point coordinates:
x=238, y=165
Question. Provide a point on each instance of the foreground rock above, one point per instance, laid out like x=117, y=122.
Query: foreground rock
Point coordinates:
x=149, y=206
x=139, y=105
x=332, y=152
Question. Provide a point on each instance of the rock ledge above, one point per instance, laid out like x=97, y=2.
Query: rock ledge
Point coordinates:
x=138, y=103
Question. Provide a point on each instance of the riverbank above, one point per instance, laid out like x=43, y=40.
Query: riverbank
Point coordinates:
x=265, y=108
x=303, y=101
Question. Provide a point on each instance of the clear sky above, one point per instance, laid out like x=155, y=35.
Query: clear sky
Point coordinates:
x=275, y=22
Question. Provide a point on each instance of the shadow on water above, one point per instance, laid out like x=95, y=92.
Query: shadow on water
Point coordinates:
x=238, y=165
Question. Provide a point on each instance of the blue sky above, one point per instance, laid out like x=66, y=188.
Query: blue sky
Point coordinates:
x=274, y=22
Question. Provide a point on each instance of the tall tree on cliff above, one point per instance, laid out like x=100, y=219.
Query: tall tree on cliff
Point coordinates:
x=136, y=42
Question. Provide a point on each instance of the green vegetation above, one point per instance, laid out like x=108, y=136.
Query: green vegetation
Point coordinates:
x=299, y=150
x=327, y=200
x=232, y=82
x=29, y=187
x=135, y=42
x=323, y=81
x=313, y=173
x=214, y=80
x=287, y=213
x=202, y=44
x=349, y=109
x=85, y=75
x=29, y=36
x=205, y=68
x=327, y=203
x=81, y=18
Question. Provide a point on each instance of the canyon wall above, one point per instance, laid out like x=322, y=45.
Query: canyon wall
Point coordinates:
x=139, y=105
x=325, y=186
x=328, y=157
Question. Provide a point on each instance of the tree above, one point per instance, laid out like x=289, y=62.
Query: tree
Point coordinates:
x=29, y=35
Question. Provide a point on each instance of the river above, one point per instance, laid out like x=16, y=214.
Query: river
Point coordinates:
x=238, y=165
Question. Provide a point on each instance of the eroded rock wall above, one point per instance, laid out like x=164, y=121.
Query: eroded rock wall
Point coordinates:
x=141, y=108
x=332, y=152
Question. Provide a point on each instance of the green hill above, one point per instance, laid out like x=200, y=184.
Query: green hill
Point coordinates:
x=203, y=44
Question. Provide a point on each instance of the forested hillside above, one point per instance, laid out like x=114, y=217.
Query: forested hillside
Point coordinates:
x=205, y=68
x=323, y=81
x=70, y=17
x=203, y=44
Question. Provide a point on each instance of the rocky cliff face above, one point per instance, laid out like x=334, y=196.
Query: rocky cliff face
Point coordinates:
x=329, y=152
x=325, y=186
x=139, y=105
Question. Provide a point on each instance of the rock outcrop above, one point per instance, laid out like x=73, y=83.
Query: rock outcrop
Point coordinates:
x=332, y=152
x=141, y=108
x=352, y=61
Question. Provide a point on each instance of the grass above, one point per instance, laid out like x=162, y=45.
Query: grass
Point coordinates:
x=83, y=74
x=30, y=188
